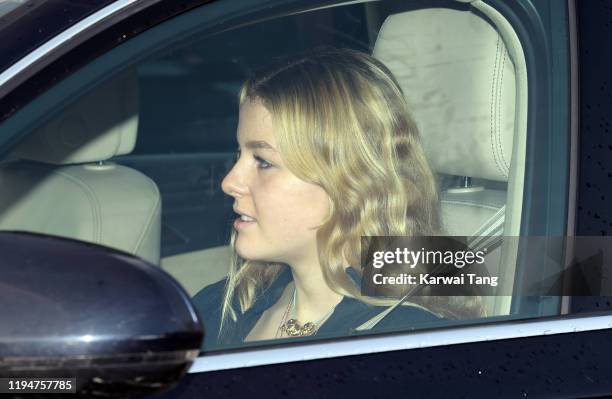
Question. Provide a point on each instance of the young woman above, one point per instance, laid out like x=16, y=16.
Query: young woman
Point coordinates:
x=328, y=152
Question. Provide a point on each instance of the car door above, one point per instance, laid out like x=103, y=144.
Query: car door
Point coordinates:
x=500, y=73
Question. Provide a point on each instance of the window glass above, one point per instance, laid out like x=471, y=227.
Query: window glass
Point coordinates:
x=387, y=85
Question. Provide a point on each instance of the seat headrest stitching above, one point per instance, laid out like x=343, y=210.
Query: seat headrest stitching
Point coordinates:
x=96, y=207
x=156, y=206
x=494, y=99
x=499, y=113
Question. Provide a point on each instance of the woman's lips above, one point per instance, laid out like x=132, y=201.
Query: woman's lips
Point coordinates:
x=240, y=224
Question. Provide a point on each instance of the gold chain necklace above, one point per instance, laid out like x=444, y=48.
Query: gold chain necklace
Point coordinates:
x=293, y=328
x=279, y=331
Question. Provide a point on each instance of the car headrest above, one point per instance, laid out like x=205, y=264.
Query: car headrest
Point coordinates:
x=459, y=82
x=98, y=126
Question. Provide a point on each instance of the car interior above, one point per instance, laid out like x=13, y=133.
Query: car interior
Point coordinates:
x=463, y=74
x=63, y=166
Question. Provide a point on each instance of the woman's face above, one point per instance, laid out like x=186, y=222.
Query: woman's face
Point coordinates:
x=286, y=211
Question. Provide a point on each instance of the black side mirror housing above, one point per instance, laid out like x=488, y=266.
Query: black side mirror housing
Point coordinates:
x=120, y=326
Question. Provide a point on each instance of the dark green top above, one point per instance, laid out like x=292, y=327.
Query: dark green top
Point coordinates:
x=348, y=314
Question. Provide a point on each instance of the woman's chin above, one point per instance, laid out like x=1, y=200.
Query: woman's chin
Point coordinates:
x=246, y=251
x=252, y=254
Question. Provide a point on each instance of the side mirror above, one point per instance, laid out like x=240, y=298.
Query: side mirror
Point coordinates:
x=120, y=326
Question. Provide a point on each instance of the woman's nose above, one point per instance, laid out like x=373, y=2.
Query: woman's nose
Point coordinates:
x=233, y=183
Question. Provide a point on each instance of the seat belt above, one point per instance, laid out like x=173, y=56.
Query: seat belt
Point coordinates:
x=488, y=235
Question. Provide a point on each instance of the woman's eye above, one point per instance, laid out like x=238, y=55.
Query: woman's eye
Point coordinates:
x=237, y=155
x=262, y=163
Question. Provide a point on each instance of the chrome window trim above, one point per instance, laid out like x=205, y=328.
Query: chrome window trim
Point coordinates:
x=62, y=38
x=412, y=340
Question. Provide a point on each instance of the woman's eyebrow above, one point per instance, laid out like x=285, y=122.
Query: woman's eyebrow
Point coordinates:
x=259, y=144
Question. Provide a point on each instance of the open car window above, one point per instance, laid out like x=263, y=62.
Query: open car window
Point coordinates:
x=131, y=151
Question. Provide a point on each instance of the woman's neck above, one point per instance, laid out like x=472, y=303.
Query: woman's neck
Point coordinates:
x=314, y=299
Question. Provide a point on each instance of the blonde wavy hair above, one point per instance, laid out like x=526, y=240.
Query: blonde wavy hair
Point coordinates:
x=342, y=123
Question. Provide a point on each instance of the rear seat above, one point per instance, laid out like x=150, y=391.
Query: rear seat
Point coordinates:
x=460, y=80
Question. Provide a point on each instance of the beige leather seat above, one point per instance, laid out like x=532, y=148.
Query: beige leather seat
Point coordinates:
x=59, y=182
x=464, y=88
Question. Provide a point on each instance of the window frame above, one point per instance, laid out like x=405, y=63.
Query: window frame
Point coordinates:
x=44, y=64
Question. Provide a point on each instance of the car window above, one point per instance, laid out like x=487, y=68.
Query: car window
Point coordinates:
x=136, y=155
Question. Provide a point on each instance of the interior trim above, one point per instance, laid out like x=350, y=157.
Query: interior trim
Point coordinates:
x=574, y=117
